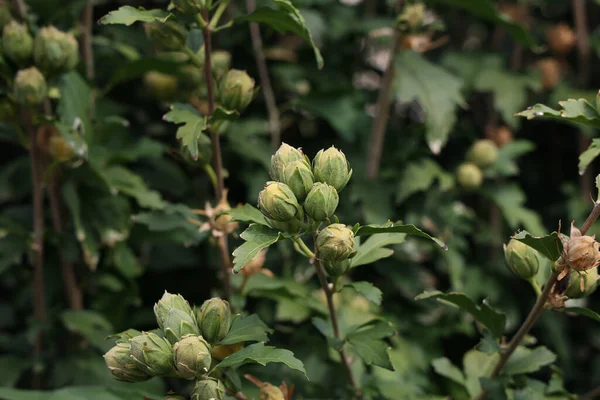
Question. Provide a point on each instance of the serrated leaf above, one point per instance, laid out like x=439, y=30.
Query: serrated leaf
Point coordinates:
x=576, y=111
x=257, y=237
x=174, y=222
x=89, y=324
x=374, y=248
x=437, y=90
x=511, y=201
x=419, y=176
x=85, y=237
x=285, y=17
x=477, y=365
x=391, y=227
x=549, y=246
x=367, y=289
x=120, y=179
x=488, y=344
x=589, y=155
x=194, y=124
x=261, y=354
x=246, y=329
x=248, y=213
x=366, y=341
x=524, y=360
x=495, y=321
x=128, y=15
x=444, y=367
x=583, y=311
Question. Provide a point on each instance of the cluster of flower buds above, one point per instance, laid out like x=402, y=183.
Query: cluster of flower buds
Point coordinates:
x=183, y=347
x=482, y=154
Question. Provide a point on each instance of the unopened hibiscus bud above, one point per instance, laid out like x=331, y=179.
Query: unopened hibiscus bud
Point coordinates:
x=54, y=51
x=214, y=319
x=208, y=389
x=277, y=202
x=330, y=166
x=179, y=323
x=163, y=87
x=299, y=177
x=120, y=364
x=335, y=243
x=221, y=61
x=30, y=87
x=219, y=353
x=469, y=176
x=185, y=314
x=337, y=268
x=521, y=259
x=270, y=392
x=483, y=153
x=192, y=356
x=167, y=36
x=191, y=6
x=152, y=354
x=321, y=202
x=236, y=90
x=589, y=285
x=285, y=155
x=17, y=43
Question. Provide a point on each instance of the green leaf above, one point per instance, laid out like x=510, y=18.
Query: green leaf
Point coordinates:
x=419, y=176
x=120, y=179
x=83, y=232
x=74, y=106
x=505, y=164
x=374, y=248
x=477, y=365
x=488, y=344
x=367, y=289
x=392, y=227
x=174, y=221
x=257, y=237
x=585, y=312
x=261, y=354
x=511, y=201
x=193, y=127
x=366, y=341
x=89, y=324
x=126, y=262
x=123, y=337
x=486, y=10
x=248, y=213
x=576, y=111
x=128, y=15
x=285, y=17
x=437, y=90
x=589, y=155
x=524, y=360
x=495, y=321
x=549, y=246
x=137, y=68
x=245, y=329
x=444, y=367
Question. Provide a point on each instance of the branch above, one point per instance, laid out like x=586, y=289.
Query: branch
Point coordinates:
x=265, y=81
x=87, y=50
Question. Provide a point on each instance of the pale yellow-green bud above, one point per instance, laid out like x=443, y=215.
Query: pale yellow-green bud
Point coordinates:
x=208, y=389
x=54, y=51
x=521, y=259
x=192, y=356
x=335, y=243
x=270, y=392
x=277, y=202
x=299, y=177
x=469, y=176
x=120, y=364
x=152, y=354
x=330, y=166
x=17, y=43
x=235, y=90
x=483, y=153
x=30, y=87
x=214, y=319
x=163, y=87
x=321, y=202
x=285, y=155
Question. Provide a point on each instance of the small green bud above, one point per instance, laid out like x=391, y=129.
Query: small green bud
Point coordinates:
x=270, y=392
x=167, y=36
x=299, y=177
x=335, y=243
x=277, y=201
x=191, y=6
x=17, y=43
x=192, y=356
x=214, y=319
x=590, y=283
x=521, y=259
x=469, y=176
x=152, y=354
x=483, y=153
x=221, y=61
x=30, y=87
x=5, y=15
x=55, y=52
x=208, y=389
x=175, y=317
x=236, y=90
x=337, y=268
x=282, y=157
x=330, y=166
x=321, y=202
x=121, y=365
x=163, y=87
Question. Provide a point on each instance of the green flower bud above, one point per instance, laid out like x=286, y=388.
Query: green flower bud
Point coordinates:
x=483, y=153
x=30, y=87
x=5, y=15
x=321, y=202
x=335, y=243
x=168, y=302
x=282, y=157
x=192, y=356
x=163, y=87
x=214, y=319
x=17, y=43
x=221, y=61
x=270, y=392
x=122, y=366
x=55, y=52
x=521, y=259
x=277, y=201
x=236, y=90
x=208, y=389
x=590, y=283
x=337, y=268
x=330, y=166
x=469, y=176
x=152, y=354
x=167, y=36
x=178, y=324
x=191, y=6
x=299, y=177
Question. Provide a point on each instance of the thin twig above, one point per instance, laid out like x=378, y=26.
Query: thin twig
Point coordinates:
x=87, y=49
x=237, y=395
x=592, y=394
x=265, y=81
x=21, y=8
